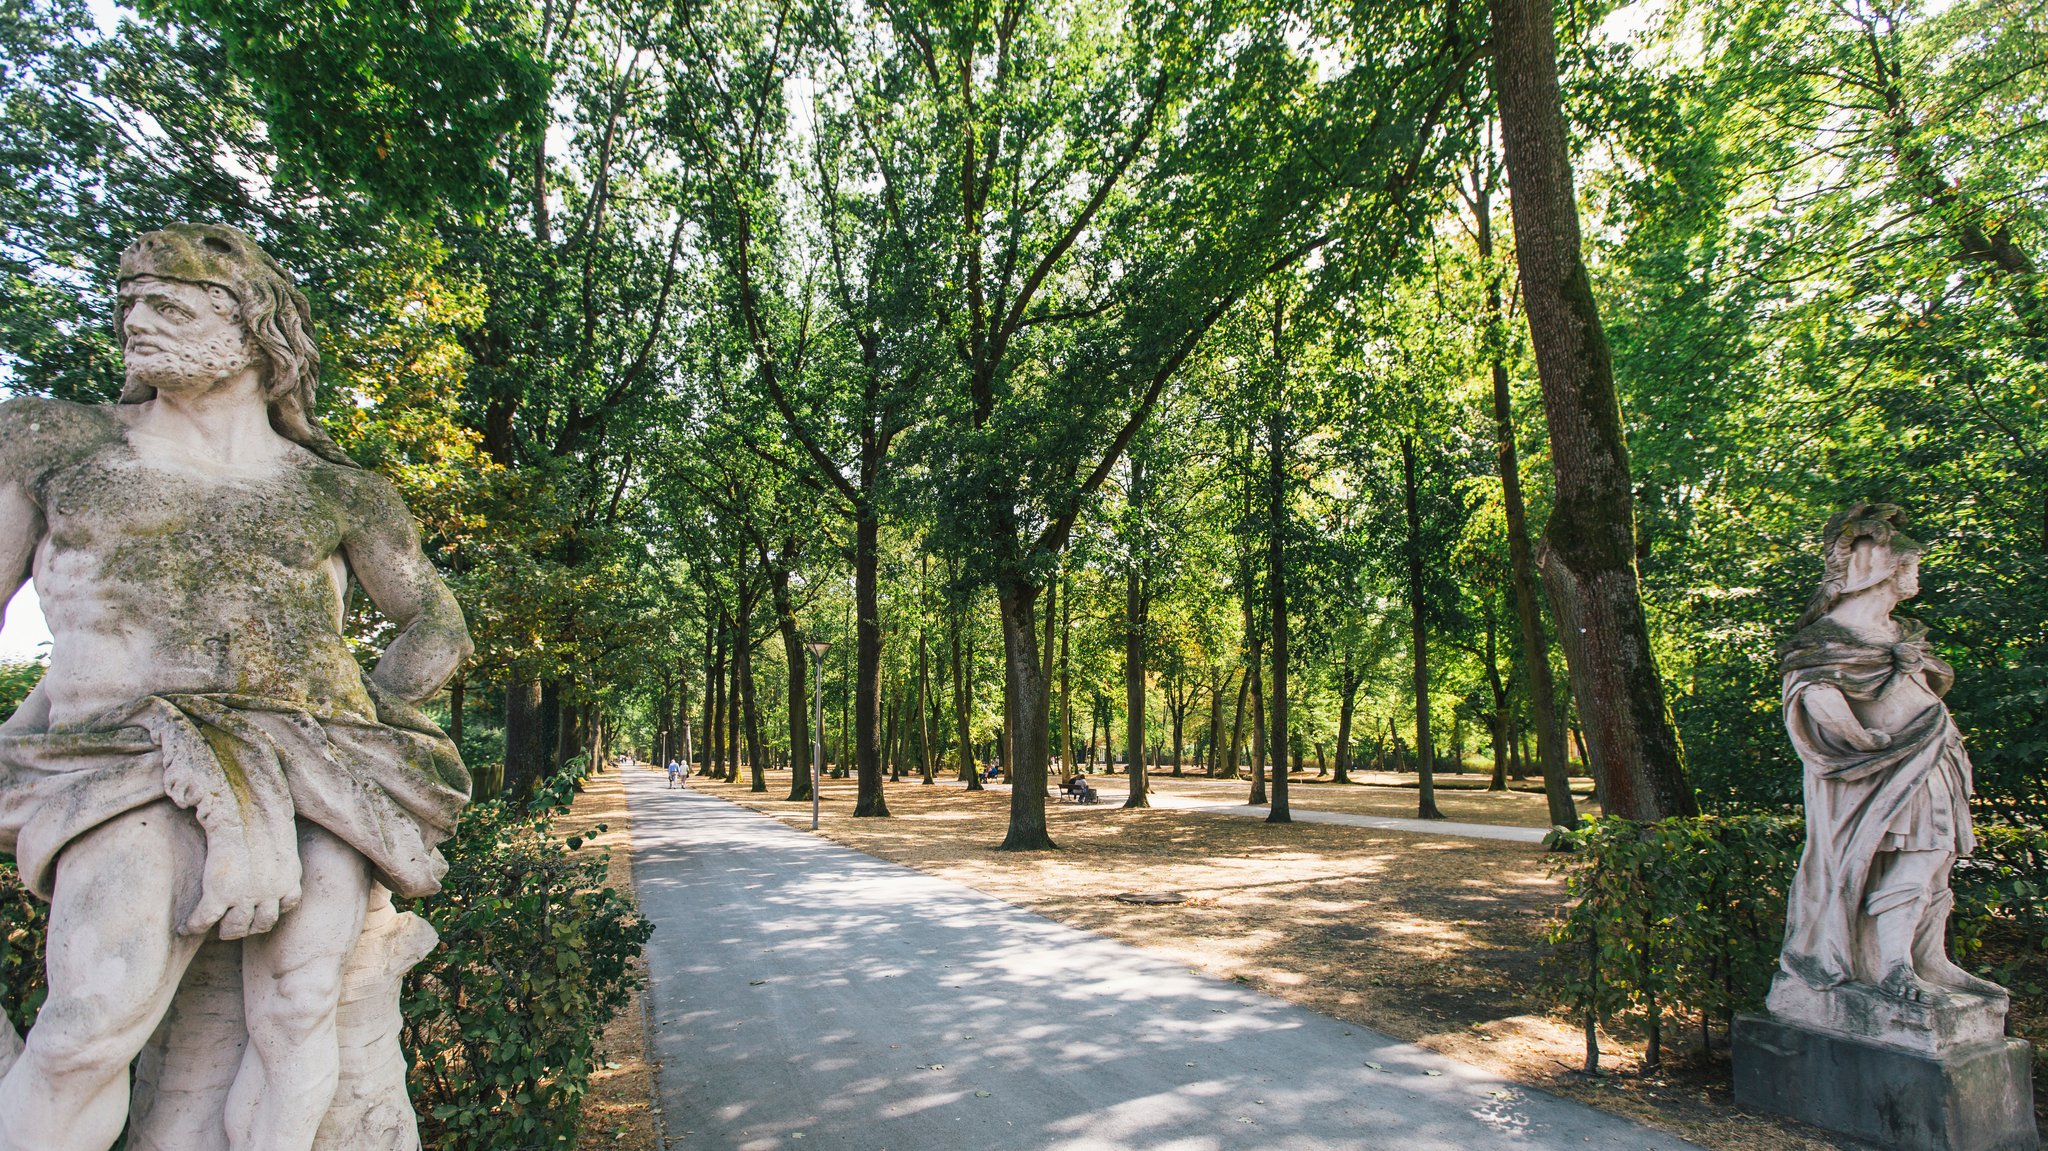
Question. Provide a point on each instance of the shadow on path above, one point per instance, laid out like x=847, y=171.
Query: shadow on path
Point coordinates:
x=804, y=991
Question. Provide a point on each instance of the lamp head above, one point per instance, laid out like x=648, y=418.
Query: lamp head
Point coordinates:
x=818, y=647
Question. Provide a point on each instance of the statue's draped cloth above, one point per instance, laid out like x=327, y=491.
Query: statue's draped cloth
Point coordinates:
x=1910, y=796
x=246, y=768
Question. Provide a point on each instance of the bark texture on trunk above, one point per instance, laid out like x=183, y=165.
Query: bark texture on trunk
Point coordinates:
x=799, y=696
x=1347, y=707
x=1589, y=560
x=1230, y=760
x=1550, y=750
x=1257, y=673
x=1025, y=701
x=867, y=693
x=1425, y=746
x=1276, y=587
x=1135, y=622
x=1066, y=743
x=525, y=750
x=963, y=701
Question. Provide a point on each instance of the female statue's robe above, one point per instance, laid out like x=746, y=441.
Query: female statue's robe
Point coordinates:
x=1910, y=796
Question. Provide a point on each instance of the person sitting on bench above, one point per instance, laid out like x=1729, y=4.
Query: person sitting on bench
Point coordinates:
x=1079, y=789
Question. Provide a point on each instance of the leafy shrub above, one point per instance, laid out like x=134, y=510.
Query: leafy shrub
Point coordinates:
x=17, y=679
x=1684, y=917
x=1679, y=916
x=2000, y=925
x=535, y=957
x=24, y=926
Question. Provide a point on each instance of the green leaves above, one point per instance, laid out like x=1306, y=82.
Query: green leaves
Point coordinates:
x=535, y=959
x=408, y=100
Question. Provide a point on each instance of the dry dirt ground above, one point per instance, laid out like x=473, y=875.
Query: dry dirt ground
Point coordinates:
x=1463, y=798
x=1430, y=938
x=618, y=1111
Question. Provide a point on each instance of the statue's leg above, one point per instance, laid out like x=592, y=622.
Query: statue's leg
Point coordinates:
x=115, y=959
x=1930, y=942
x=291, y=979
x=1898, y=896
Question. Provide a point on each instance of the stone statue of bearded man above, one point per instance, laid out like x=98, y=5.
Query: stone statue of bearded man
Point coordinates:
x=1887, y=787
x=210, y=792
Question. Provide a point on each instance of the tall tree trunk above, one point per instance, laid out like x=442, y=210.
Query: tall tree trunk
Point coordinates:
x=735, y=715
x=1347, y=706
x=1135, y=610
x=550, y=725
x=1024, y=707
x=1261, y=754
x=1276, y=578
x=867, y=707
x=714, y=705
x=1230, y=762
x=1054, y=600
x=892, y=738
x=963, y=703
x=1425, y=746
x=525, y=750
x=799, y=698
x=1218, y=684
x=1589, y=559
x=1498, y=725
x=1068, y=768
x=713, y=656
x=924, y=693
x=1550, y=749
x=1180, y=716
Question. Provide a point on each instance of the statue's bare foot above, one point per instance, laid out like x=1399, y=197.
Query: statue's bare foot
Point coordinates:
x=1944, y=972
x=1903, y=983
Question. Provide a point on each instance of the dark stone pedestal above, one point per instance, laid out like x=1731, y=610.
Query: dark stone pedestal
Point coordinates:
x=1973, y=1098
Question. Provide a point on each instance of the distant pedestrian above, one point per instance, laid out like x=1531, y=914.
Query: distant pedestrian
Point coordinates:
x=675, y=774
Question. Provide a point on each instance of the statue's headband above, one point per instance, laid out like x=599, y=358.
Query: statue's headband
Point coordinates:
x=1879, y=523
x=202, y=254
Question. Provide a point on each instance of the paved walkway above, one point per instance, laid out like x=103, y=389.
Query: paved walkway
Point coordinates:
x=807, y=995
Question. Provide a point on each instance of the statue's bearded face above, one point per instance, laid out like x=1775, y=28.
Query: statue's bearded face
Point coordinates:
x=183, y=338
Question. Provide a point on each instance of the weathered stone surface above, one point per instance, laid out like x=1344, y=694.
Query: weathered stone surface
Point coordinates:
x=1958, y=1019
x=1972, y=1098
x=215, y=798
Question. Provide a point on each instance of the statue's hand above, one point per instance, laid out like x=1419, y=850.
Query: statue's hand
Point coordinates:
x=1908, y=659
x=1833, y=714
x=238, y=918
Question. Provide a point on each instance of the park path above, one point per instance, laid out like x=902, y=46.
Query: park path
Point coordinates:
x=807, y=995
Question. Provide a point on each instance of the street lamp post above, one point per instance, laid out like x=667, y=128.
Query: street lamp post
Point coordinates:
x=817, y=647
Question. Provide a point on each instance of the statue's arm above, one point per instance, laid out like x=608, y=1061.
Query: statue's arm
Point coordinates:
x=21, y=529
x=383, y=550
x=1832, y=714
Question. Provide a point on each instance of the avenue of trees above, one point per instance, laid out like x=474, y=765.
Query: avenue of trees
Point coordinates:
x=1381, y=385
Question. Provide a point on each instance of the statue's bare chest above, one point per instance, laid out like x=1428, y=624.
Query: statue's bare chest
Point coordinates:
x=147, y=521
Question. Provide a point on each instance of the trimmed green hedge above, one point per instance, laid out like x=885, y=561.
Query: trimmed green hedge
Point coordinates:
x=1682, y=919
x=535, y=958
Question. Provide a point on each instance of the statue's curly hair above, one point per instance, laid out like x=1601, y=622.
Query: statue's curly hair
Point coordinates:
x=1882, y=524
x=279, y=319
